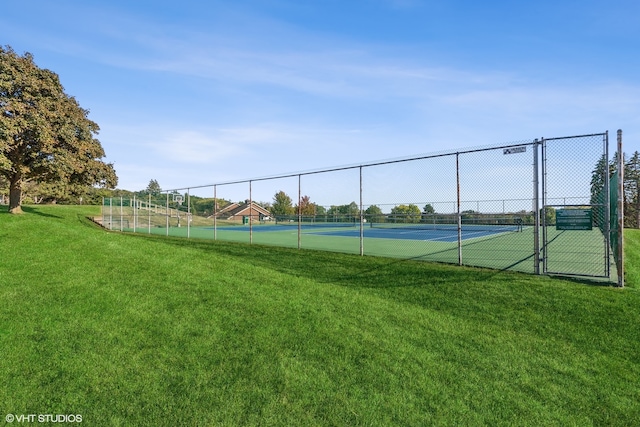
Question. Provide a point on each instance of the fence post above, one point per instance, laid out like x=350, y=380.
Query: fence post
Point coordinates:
x=188, y=213
x=121, y=215
x=361, y=218
x=620, y=231
x=167, y=214
x=215, y=212
x=250, y=213
x=134, y=205
x=536, y=208
x=299, y=210
x=458, y=209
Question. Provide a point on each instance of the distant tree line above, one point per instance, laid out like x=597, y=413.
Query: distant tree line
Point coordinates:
x=631, y=185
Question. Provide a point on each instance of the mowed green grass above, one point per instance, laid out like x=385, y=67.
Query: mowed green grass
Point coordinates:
x=141, y=330
x=632, y=257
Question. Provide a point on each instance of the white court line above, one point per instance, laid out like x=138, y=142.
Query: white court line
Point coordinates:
x=466, y=234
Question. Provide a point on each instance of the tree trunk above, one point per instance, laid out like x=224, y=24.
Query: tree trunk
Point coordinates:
x=15, y=195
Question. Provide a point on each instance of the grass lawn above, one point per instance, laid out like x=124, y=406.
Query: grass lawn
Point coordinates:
x=632, y=258
x=131, y=329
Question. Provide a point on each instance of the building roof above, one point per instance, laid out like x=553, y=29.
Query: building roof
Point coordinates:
x=236, y=209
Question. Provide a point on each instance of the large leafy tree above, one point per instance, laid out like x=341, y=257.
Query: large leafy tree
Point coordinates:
x=374, y=214
x=282, y=204
x=406, y=213
x=45, y=136
x=306, y=207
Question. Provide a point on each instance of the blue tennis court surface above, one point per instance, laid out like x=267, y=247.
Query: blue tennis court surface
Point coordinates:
x=437, y=235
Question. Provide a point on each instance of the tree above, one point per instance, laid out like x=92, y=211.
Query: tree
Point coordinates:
x=207, y=206
x=549, y=215
x=427, y=212
x=374, y=214
x=344, y=212
x=45, y=136
x=406, y=213
x=307, y=208
x=428, y=209
x=353, y=210
x=282, y=204
x=153, y=188
x=632, y=190
x=598, y=179
x=4, y=190
x=598, y=193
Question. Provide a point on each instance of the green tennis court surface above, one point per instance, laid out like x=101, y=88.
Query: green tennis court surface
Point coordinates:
x=444, y=233
x=573, y=252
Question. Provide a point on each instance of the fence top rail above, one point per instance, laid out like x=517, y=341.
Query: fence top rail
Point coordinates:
x=365, y=165
x=575, y=136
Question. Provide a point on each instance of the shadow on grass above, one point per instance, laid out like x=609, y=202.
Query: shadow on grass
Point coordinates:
x=35, y=211
x=475, y=294
x=356, y=271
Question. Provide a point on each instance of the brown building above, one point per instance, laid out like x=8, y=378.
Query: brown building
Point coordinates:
x=240, y=211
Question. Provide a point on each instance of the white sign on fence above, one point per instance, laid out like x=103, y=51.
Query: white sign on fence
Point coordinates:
x=514, y=150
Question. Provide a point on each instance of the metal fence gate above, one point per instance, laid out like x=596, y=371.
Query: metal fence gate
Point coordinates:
x=575, y=216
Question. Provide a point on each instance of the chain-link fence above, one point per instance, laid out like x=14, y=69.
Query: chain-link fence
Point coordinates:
x=576, y=228
x=527, y=206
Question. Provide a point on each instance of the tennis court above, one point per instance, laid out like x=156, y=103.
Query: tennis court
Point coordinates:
x=500, y=246
x=421, y=232
x=481, y=246
x=412, y=208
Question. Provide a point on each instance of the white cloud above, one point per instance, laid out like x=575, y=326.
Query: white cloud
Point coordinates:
x=215, y=146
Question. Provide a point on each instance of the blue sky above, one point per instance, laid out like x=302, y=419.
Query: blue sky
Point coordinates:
x=199, y=92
